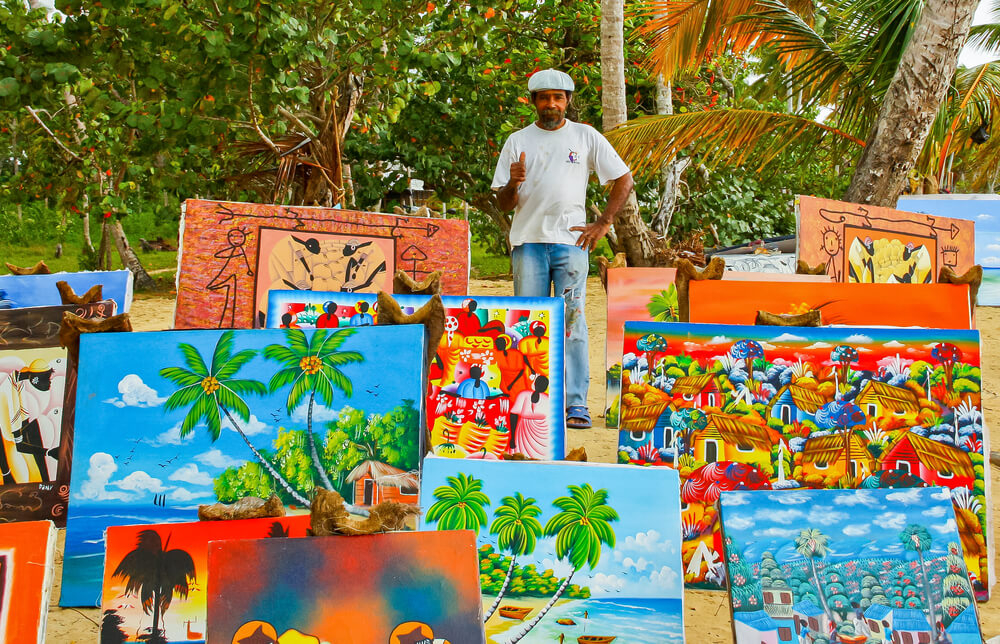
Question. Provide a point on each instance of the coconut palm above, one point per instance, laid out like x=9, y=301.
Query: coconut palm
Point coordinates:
x=460, y=504
x=517, y=529
x=208, y=391
x=311, y=366
x=155, y=573
x=916, y=538
x=581, y=527
x=811, y=544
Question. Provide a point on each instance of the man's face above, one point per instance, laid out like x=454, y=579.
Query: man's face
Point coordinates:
x=551, y=107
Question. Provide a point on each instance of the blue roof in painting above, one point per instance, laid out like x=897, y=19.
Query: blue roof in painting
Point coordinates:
x=966, y=622
x=909, y=619
x=878, y=611
x=757, y=619
x=807, y=608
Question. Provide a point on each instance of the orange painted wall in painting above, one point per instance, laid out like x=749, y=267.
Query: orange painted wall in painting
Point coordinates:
x=941, y=306
x=27, y=560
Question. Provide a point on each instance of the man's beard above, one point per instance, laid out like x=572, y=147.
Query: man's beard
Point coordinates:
x=550, y=118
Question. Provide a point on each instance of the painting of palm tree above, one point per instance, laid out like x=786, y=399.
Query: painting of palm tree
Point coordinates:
x=460, y=504
x=207, y=392
x=517, y=529
x=662, y=307
x=916, y=538
x=155, y=573
x=812, y=544
x=311, y=366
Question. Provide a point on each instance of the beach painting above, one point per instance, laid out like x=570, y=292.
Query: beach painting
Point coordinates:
x=496, y=381
x=168, y=564
x=397, y=588
x=851, y=566
x=20, y=291
x=574, y=552
x=168, y=420
x=27, y=561
x=755, y=407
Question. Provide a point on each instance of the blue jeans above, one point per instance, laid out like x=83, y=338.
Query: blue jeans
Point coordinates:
x=543, y=269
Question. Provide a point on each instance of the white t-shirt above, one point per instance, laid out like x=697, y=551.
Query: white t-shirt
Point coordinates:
x=552, y=198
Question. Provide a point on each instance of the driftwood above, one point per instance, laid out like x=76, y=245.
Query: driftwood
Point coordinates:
x=38, y=269
x=403, y=283
x=250, y=507
x=74, y=325
x=686, y=272
x=69, y=296
x=801, y=268
x=603, y=265
x=329, y=516
x=973, y=277
x=158, y=244
x=578, y=455
x=809, y=318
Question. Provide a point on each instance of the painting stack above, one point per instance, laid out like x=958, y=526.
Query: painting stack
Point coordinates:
x=339, y=443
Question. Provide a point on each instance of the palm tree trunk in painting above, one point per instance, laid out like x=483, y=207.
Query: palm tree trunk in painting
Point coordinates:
x=503, y=589
x=312, y=445
x=263, y=461
x=552, y=602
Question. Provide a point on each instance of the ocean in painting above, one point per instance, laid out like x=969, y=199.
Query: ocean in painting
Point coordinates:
x=630, y=621
x=989, y=291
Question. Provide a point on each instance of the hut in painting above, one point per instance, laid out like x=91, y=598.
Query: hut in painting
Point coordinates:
x=375, y=482
x=826, y=456
x=935, y=463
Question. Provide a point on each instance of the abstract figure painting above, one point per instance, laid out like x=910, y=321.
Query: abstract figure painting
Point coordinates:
x=200, y=416
x=19, y=291
x=571, y=552
x=741, y=407
x=496, y=380
x=27, y=561
x=168, y=563
x=234, y=252
x=847, y=566
x=399, y=588
x=861, y=243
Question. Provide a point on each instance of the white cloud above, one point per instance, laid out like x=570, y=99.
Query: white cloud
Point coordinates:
x=993, y=246
x=792, y=498
x=740, y=523
x=859, y=497
x=666, y=577
x=858, y=338
x=140, y=481
x=778, y=532
x=601, y=583
x=819, y=345
x=135, y=393
x=781, y=516
x=215, y=458
x=639, y=564
x=935, y=512
x=172, y=437
x=645, y=542
x=906, y=497
x=102, y=467
x=857, y=530
x=945, y=528
x=788, y=337
x=826, y=516
x=992, y=259
x=191, y=474
x=180, y=494
x=720, y=339
x=321, y=414
x=984, y=216
x=735, y=498
x=893, y=344
x=941, y=494
x=892, y=520
x=558, y=567
x=251, y=427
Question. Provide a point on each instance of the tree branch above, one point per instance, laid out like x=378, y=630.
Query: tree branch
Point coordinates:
x=253, y=114
x=62, y=145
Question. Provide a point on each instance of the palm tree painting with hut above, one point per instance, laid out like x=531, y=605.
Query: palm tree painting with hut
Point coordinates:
x=205, y=416
x=570, y=551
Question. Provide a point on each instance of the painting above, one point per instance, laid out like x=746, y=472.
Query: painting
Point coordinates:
x=853, y=566
x=27, y=560
x=19, y=291
x=746, y=407
x=400, y=588
x=942, y=306
x=169, y=564
x=210, y=415
x=863, y=243
x=233, y=253
x=496, y=381
x=37, y=394
x=575, y=552
x=760, y=262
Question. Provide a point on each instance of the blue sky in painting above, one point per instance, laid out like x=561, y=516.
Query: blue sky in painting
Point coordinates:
x=41, y=290
x=128, y=447
x=646, y=559
x=982, y=209
x=859, y=523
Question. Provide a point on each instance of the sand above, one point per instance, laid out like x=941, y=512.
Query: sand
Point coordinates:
x=706, y=616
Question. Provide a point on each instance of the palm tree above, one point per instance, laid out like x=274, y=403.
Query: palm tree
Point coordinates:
x=581, y=527
x=917, y=539
x=811, y=544
x=312, y=366
x=207, y=392
x=460, y=504
x=156, y=574
x=517, y=529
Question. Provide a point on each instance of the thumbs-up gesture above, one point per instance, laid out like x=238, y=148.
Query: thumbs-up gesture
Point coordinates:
x=517, y=171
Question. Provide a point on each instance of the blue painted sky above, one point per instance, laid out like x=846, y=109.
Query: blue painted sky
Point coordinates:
x=40, y=290
x=984, y=210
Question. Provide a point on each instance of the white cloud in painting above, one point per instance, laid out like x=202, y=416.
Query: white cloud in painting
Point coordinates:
x=778, y=532
x=792, y=498
x=825, y=516
x=720, y=339
x=788, y=337
x=559, y=567
x=941, y=494
x=906, y=497
x=984, y=216
x=191, y=474
x=215, y=458
x=781, y=516
x=180, y=494
x=993, y=246
x=859, y=497
x=135, y=393
x=251, y=427
x=992, y=259
x=858, y=338
x=140, y=481
x=819, y=345
x=893, y=344
x=948, y=527
x=892, y=520
x=935, y=512
x=646, y=542
x=857, y=530
x=639, y=564
x=735, y=498
x=101, y=468
x=740, y=523
x=666, y=578
x=172, y=437
x=601, y=583
x=321, y=414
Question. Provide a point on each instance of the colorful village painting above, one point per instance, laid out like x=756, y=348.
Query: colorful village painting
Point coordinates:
x=850, y=566
x=572, y=552
x=739, y=407
x=496, y=380
x=171, y=419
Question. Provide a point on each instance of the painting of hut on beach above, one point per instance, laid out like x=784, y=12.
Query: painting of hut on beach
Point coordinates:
x=851, y=566
x=740, y=407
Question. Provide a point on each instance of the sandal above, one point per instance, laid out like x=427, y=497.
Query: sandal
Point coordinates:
x=578, y=417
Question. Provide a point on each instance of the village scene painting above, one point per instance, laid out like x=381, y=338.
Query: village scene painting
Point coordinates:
x=862, y=566
x=170, y=420
x=747, y=408
x=570, y=552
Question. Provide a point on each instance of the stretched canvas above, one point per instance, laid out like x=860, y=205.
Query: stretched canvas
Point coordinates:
x=496, y=381
x=233, y=253
x=399, y=588
x=19, y=291
x=181, y=552
x=575, y=552
x=862, y=243
x=760, y=263
x=207, y=416
x=746, y=407
x=27, y=559
x=943, y=306
x=846, y=566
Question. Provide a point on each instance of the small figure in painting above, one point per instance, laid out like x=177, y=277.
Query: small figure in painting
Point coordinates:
x=515, y=372
x=473, y=387
x=529, y=417
x=536, y=347
x=288, y=321
x=329, y=319
x=468, y=321
x=361, y=316
x=23, y=457
x=414, y=633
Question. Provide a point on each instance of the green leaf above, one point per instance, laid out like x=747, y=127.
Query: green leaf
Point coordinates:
x=9, y=86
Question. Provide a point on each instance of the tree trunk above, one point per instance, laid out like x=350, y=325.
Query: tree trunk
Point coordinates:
x=670, y=173
x=312, y=445
x=912, y=102
x=552, y=602
x=275, y=474
x=633, y=234
x=104, y=250
x=928, y=598
x=129, y=259
x=503, y=589
x=819, y=590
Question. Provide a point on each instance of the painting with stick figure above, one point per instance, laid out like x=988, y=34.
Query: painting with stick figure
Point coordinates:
x=168, y=420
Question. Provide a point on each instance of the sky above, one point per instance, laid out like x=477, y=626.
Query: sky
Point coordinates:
x=970, y=56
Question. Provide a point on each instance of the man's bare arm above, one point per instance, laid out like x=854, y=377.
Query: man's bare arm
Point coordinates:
x=592, y=233
x=507, y=196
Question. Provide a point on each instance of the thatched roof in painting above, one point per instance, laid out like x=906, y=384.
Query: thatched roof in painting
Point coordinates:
x=383, y=475
x=830, y=449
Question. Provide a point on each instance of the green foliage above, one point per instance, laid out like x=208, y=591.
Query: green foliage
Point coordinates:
x=744, y=585
x=525, y=581
x=459, y=505
x=662, y=307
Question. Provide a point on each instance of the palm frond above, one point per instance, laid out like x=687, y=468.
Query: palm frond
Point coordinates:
x=283, y=354
x=229, y=368
x=245, y=387
x=200, y=409
x=193, y=359
x=301, y=386
x=180, y=376
x=985, y=37
x=232, y=402
x=223, y=348
x=283, y=378
x=184, y=396
x=296, y=339
x=333, y=341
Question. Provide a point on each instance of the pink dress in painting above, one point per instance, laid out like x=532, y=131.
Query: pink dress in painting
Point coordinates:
x=531, y=436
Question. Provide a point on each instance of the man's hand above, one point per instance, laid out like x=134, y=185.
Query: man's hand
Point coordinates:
x=518, y=173
x=591, y=234
x=507, y=196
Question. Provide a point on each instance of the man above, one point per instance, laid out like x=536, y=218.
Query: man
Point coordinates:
x=542, y=175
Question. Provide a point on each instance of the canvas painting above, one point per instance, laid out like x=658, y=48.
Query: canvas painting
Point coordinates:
x=496, y=381
x=399, y=588
x=178, y=552
x=745, y=407
x=760, y=262
x=862, y=243
x=208, y=416
x=19, y=291
x=850, y=566
x=574, y=552
x=943, y=306
x=232, y=253
x=27, y=559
